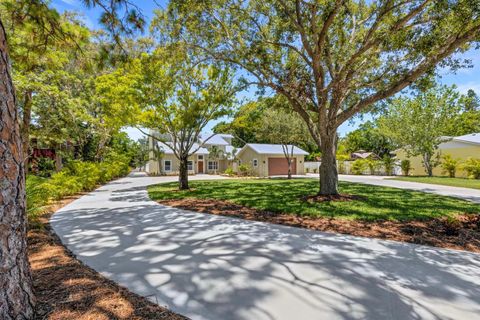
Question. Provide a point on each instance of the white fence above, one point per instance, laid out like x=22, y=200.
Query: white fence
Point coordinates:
x=345, y=167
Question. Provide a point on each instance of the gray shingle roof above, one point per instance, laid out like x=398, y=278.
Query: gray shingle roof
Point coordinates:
x=261, y=148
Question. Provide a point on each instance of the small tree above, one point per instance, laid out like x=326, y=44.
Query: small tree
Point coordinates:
x=406, y=167
x=280, y=125
x=215, y=153
x=419, y=124
x=388, y=163
x=449, y=165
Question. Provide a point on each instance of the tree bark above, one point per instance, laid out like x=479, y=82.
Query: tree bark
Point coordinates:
x=183, y=174
x=289, y=175
x=328, y=166
x=427, y=163
x=16, y=296
x=25, y=128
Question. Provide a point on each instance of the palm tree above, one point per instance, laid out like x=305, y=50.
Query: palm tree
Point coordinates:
x=215, y=153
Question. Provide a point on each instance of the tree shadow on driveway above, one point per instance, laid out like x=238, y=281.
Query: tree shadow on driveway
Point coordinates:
x=213, y=267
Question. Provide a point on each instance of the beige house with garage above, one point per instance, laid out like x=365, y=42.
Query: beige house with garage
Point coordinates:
x=461, y=147
x=162, y=160
x=266, y=160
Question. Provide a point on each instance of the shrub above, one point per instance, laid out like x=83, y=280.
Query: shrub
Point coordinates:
x=472, y=167
x=229, y=171
x=388, y=163
x=373, y=165
x=359, y=166
x=341, y=158
x=405, y=166
x=449, y=165
x=77, y=176
x=244, y=169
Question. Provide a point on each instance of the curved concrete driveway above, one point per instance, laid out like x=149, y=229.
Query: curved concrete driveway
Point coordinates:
x=456, y=192
x=212, y=267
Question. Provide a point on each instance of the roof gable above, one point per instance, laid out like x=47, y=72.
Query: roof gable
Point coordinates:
x=261, y=148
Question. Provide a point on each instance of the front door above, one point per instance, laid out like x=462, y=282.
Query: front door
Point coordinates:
x=200, y=166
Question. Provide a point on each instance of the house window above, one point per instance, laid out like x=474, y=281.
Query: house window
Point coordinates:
x=200, y=157
x=255, y=162
x=212, y=165
x=167, y=165
x=190, y=165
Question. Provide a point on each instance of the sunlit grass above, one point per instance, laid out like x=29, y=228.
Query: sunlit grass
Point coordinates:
x=380, y=203
x=445, y=181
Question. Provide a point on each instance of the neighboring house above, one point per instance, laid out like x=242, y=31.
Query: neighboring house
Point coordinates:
x=199, y=162
x=269, y=160
x=362, y=154
x=461, y=147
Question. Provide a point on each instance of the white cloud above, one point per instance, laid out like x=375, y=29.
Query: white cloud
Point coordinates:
x=70, y=2
x=474, y=85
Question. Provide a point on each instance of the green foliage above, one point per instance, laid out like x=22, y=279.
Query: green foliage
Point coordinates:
x=359, y=166
x=449, y=165
x=373, y=165
x=244, y=169
x=341, y=158
x=419, y=124
x=472, y=167
x=368, y=137
x=229, y=171
x=285, y=196
x=405, y=165
x=76, y=177
x=388, y=163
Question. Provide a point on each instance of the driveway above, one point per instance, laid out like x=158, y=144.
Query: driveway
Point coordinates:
x=462, y=193
x=212, y=267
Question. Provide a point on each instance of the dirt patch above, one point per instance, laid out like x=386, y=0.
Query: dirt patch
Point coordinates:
x=462, y=233
x=66, y=289
x=337, y=197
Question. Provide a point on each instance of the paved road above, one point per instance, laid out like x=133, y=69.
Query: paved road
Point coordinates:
x=211, y=267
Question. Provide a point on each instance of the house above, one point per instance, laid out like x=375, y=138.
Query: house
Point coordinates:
x=269, y=160
x=199, y=162
x=461, y=147
x=362, y=154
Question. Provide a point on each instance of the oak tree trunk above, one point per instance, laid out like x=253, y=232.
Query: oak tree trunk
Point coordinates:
x=328, y=166
x=16, y=296
x=183, y=174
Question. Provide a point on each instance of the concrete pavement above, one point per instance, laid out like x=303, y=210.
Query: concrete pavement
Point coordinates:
x=212, y=267
x=462, y=193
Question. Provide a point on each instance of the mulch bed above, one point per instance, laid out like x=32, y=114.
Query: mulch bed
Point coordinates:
x=462, y=233
x=67, y=289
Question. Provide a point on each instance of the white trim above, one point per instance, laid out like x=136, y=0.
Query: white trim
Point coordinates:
x=190, y=165
x=215, y=166
x=164, y=166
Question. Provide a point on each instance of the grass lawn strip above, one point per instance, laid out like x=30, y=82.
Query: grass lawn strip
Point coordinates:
x=381, y=212
x=67, y=289
x=444, y=181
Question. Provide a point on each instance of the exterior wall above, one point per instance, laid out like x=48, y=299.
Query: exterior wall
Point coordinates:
x=154, y=167
x=456, y=149
x=247, y=156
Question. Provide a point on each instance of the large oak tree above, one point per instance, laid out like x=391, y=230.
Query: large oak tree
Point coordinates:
x=330, y=59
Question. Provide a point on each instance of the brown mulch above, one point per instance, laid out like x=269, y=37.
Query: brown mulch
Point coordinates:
x=461, y=233
x=66, y=289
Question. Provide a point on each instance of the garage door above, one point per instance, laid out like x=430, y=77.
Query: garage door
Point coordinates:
x=279, y=166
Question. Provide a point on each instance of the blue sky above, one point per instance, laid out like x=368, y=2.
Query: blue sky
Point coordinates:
x=464, y=79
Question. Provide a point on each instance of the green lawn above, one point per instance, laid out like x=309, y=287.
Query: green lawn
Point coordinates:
x=284, y=196
x=445, y=181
